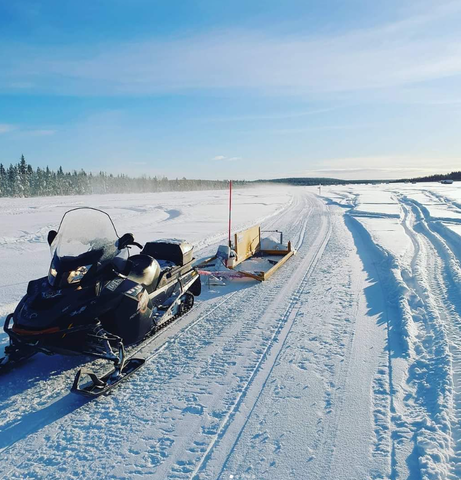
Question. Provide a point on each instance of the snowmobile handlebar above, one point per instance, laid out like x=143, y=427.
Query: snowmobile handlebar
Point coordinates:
x=126, y=240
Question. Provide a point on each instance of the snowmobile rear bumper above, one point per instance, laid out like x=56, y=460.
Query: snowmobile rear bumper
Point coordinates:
x=20, y=341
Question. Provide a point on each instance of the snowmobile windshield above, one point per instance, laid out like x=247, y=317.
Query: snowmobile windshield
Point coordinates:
x=86, y=238
x=85, y=232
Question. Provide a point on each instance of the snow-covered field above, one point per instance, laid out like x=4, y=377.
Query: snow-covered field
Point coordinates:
x=346, y=364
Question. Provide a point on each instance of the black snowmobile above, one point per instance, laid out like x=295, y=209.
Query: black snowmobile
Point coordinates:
x=97, y=299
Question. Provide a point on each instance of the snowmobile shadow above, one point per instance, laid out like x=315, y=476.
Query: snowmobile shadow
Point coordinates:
x=379, y=294
x=40, y=368
x=214, y=289
x=214, y=285
x=25, y=381
x=33, y=422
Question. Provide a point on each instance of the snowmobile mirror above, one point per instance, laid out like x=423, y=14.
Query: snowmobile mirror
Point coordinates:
x=125, y=240
x=51, y=236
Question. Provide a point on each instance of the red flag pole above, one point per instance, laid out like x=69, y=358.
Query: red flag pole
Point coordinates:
x=230, y=211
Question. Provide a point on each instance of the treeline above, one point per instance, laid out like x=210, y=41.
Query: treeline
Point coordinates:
x=309, y=181
x=304, y=181
x=437, y=178
x=21, y=180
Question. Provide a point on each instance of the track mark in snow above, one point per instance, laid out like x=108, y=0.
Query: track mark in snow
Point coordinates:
x=421, y=287
x=436, y=305
x=54, y=395
x=276, y=343
x=296, y=428
x=381, y=296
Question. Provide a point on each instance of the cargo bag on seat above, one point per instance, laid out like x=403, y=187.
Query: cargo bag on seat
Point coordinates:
x=176, y=251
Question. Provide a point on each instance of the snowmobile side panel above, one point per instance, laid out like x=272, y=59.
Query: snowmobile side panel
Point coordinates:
x=175, y=273
x=132, y=319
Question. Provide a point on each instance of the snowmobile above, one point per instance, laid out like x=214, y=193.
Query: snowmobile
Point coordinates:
x=97, y=299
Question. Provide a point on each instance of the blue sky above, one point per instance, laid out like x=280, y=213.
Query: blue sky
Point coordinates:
x=209, y=89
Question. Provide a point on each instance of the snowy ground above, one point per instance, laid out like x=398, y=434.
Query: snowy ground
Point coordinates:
x=345, y=364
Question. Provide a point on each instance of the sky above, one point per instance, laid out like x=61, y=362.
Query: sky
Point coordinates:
x=232, y=90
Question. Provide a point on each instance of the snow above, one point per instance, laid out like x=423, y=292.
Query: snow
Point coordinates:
x=345, y=364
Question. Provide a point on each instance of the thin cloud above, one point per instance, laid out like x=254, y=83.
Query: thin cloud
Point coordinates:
x=19, y=130
x=222, y=158
x=380, y=167
x=390, y=56
x=275, y=116
x=41, y=133
x=6, y=127
x=288, y=131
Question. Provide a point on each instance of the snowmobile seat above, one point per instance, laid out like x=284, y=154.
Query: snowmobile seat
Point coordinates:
x=143, y=269
x=166, y=264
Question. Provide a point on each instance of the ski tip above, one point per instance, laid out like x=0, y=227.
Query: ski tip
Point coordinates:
x=97, y=386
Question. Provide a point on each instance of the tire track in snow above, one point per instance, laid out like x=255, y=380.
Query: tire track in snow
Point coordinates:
x=277, y=341
x=434, y=374
x=241, y=331
x=389, y=428
x=445, y=283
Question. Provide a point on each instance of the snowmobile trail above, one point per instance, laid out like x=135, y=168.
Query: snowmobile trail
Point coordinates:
x=256, y=382
x=192, y=318
x=310, y=420
x=47, y=382
x=434, y=376
x=67, y=403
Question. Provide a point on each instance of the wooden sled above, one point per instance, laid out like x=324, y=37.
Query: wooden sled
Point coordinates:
x=254, y=257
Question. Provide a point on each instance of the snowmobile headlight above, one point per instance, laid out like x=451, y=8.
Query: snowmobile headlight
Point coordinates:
x=77, y=274
x=52, y=275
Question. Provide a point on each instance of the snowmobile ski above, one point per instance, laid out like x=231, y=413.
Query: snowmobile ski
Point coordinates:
x=102, y=385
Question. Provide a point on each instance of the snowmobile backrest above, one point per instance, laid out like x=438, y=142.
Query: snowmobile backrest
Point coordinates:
x=177, y=251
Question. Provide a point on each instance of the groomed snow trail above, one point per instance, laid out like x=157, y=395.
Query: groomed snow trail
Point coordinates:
x=267, y=380
x=312, y=416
